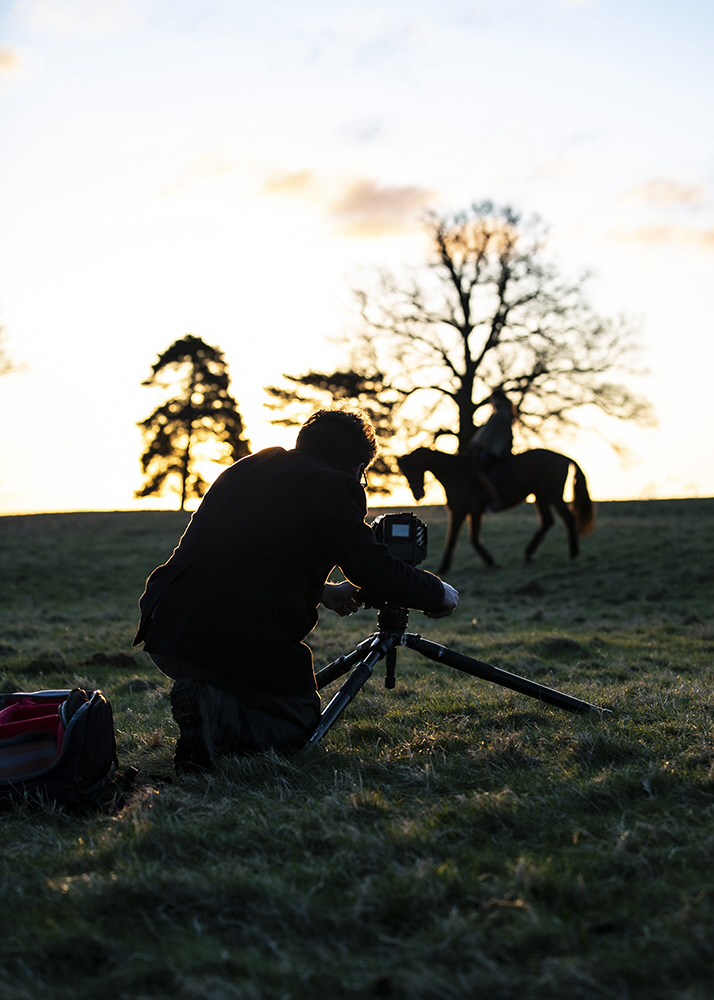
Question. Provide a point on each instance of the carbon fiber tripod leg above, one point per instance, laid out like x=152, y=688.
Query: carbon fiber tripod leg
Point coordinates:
x=378, y=646
x=478, y=668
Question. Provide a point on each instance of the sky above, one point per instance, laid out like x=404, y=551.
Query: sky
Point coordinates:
x=233, y=170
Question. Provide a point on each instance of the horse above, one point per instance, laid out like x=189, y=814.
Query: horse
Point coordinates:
x=537, y=471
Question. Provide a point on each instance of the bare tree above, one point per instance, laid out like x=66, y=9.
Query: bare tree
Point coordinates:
x=489, y=310
x=199, y=422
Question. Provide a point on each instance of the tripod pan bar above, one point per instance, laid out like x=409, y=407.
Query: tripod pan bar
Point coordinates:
x=441, y=654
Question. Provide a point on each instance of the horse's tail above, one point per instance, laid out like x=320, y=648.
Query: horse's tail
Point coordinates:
x=582, y=506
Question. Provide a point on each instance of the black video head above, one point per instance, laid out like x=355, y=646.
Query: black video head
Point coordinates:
x=404, y=534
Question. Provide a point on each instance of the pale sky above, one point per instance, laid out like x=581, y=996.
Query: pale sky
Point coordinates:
x=232, y=170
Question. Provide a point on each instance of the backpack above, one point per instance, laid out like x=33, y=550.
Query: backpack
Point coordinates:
x=56, y=747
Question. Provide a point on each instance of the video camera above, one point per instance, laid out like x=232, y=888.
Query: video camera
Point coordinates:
x=404, y=535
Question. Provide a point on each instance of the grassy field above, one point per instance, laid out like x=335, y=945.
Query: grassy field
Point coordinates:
x=449, y=838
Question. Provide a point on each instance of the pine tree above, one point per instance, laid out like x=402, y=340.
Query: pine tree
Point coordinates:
x=198, y=424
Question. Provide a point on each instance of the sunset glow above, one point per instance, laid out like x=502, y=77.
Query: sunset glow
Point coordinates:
x=206, y=167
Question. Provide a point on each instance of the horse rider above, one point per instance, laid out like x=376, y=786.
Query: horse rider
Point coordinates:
x=492, y=443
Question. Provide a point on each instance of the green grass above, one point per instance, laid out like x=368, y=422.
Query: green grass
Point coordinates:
x=449, y=839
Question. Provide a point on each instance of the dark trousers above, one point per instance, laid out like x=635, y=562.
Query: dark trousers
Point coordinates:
x=281, y=722
x=483, y=461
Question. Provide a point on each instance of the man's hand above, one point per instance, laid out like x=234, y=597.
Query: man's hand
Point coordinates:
x=451, y=599
x=341, y=598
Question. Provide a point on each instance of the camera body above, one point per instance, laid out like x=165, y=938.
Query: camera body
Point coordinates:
x=404, y=535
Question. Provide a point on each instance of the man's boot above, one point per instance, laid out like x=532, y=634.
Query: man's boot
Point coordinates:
x=194, y=747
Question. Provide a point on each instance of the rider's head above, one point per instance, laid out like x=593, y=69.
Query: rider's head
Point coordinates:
x=499, y=399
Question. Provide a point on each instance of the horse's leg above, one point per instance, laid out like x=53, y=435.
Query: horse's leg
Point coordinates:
x=565, y=514
x=546, y=523
x=456, y=519
x=475, y=529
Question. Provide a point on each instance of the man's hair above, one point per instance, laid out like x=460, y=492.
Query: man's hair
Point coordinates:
x=343, y=438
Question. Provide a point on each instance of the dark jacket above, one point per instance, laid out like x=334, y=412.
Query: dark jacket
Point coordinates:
x=496, y=435
x=240, y=592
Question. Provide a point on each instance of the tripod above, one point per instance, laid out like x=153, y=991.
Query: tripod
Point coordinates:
x=391, y=633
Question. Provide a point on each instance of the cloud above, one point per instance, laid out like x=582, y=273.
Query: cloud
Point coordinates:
x=560, y=166
x=10, y=62
x=86, y=18
x=365, y=209
x=362, y=130
x=674, y=207
x=203, y=173
x=361, y=208
x=659, y=235
x=665, y=191
x=13, y=69
x=298, y=184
